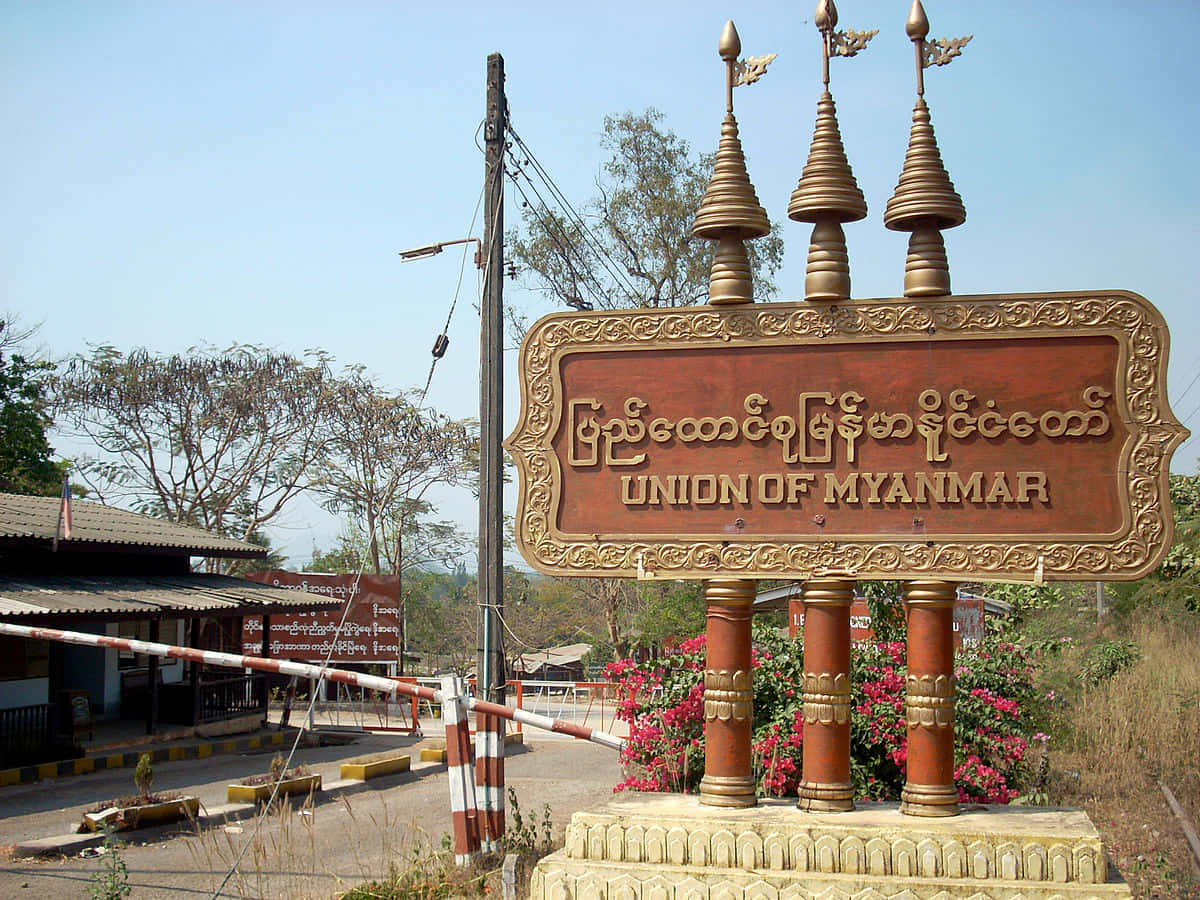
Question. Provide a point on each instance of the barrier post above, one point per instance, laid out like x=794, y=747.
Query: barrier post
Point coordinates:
x=459, y=765
x=489, y=779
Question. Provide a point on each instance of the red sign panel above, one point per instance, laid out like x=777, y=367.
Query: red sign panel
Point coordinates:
x=1007, y=437
x=371, y=632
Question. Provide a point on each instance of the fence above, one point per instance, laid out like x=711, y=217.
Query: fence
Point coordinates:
x=26, y=731
x=227, y=698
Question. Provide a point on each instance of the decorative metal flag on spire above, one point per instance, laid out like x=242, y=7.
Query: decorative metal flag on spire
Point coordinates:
x=730, y=212
x=827, y=194
x=925, y=201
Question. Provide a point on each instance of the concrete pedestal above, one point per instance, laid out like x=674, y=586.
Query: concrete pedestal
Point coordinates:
x=670, y=847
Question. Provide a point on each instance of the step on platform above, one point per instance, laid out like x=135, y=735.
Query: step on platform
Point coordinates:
x=669, y=847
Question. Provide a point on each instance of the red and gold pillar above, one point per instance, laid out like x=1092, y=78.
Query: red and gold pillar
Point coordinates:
x=826, y=750
x=728, y=695
x=929, y=789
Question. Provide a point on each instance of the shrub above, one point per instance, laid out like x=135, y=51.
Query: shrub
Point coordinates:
x=143, y=775
x=1106, y=659
x=664, y=706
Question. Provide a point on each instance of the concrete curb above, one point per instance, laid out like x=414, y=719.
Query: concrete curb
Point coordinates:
x=200, y=749
x=209, y=817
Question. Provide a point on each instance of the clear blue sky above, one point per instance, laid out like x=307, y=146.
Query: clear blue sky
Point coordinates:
x=180, y=172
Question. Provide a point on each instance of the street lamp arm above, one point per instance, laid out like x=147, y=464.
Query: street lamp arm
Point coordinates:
x=434, y=249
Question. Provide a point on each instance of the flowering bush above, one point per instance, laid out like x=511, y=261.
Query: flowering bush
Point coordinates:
x=664, y=706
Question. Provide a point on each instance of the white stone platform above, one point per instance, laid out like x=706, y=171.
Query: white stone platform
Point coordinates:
x=669, y=847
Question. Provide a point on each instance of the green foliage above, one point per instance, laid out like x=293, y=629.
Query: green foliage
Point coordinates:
x=382, y=456
x=887, y=612
x=345, y=558
x=672, y=611
x=1024, y=597
x=1106, y=658
x=527, y=836
x=441, y=620
x=143, y=775
x=25, y=463
x=649, y=191
x=997, y=705
x=426, y=876
x=111, y=881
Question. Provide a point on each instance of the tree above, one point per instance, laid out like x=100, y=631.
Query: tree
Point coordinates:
x=643, y=252
x=217, y=439
x=383, y=455
x=674, y=612
x=442, y=620
x=25, y=463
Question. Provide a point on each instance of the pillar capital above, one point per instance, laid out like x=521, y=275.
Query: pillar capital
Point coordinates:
x=829, y=589
x=930, y=594
x=730, y=591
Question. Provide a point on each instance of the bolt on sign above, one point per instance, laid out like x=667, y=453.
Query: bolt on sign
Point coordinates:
x=1001, y=437
x=371, y=632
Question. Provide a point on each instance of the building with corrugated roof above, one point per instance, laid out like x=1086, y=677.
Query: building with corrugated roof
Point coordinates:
x=126, y=575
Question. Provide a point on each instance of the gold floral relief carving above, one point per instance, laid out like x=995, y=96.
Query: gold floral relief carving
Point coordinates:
x=826, y=698
x=929, y=701
x=728, y=695
x=1145, y=461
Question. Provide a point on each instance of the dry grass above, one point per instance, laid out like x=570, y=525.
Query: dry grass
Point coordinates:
x=1125, y=734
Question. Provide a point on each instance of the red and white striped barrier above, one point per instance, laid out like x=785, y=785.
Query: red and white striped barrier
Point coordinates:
x=489, y=779
x=308, y=670
x=459, y=771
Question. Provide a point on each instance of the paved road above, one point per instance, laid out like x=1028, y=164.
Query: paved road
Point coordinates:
x=307, y=853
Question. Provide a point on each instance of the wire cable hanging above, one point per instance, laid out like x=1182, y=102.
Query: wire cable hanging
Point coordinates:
x=587, y=237
x=583, y=273
x=614, y=267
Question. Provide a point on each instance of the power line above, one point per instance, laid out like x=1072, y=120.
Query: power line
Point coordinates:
x=613, y=266
x=553, y=231
x=1191, y=384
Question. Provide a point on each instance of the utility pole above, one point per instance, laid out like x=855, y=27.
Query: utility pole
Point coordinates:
x=491, y=393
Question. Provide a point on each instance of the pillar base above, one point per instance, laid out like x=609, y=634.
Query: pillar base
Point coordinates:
x=729, y=791
x=654, y=846
x=929, y=800
x=835, y=797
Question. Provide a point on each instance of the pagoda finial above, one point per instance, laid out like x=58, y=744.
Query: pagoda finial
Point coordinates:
x=925, y=201
x=730, y=212
x=827, y=194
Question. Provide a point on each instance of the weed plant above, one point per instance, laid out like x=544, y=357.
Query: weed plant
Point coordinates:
x=111, y=881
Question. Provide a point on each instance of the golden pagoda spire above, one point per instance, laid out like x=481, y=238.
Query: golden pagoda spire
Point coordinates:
x=925, y=201
x=827, y=194
x=730, y=212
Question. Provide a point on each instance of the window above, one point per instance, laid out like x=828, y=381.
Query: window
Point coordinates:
x=168, y=633
x=132, y=631
x=23, y=658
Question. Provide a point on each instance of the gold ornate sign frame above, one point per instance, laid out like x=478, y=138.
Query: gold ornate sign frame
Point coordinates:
x=1141, y=403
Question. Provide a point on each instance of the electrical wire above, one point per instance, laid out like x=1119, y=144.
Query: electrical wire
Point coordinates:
x=454, y=302
x=612, y=266
x=553, y=231
x=325, y=664
x=337, y=635
x=1187, y=390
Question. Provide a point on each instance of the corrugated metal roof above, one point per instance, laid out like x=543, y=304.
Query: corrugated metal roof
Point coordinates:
x=22, y=516
x=145, y=595
x=552, y=656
